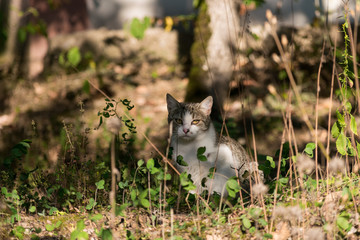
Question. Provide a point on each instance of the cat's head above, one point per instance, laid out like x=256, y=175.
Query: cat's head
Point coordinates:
x=189, y=119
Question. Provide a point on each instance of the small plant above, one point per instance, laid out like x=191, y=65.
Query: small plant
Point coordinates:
x=79, y=232
x=12, y=199
x=71, y=58
x=138, y=28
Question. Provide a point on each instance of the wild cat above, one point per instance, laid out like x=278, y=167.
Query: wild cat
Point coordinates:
x=192, y=129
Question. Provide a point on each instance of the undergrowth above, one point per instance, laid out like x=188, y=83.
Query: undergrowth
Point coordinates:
x=113, y=196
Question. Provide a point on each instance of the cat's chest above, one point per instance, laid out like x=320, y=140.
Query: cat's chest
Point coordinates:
x=189, y=150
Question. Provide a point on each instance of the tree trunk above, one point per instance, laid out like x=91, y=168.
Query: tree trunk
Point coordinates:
x=216, y=32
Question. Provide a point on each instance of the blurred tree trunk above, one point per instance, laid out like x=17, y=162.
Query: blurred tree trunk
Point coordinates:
x=13, y=54
x=216, y=32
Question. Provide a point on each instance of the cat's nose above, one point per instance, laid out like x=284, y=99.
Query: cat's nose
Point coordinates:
x=186, y=130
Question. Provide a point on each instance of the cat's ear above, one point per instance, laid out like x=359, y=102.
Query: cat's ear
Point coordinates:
x=206, y=105
x=172, y=103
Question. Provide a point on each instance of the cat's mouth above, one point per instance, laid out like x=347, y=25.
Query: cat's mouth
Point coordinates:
x=187, y=136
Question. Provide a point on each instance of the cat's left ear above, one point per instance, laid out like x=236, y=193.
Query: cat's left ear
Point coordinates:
x=206, y=105
x=172, y=103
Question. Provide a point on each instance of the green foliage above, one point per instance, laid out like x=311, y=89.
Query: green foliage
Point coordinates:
x=232, y=186
x=110, y=110
x=138, y=28
x=200, y=154
x=180, y=161
x=12, y=200
x=79, y=233
x=309, y=149
x=186, y=182
x=71, y=58
x=52, y=227
x=345, y=119
x=18, y=232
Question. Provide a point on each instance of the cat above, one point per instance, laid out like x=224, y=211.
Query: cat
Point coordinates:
x=192, y=129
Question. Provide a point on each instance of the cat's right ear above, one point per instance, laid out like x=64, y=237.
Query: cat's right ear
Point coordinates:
x=172, y=103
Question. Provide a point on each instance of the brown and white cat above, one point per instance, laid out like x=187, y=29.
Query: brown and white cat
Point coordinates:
x=192, y=129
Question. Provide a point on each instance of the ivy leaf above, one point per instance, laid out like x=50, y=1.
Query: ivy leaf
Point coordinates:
x=335, y=130
x=100, y=184
x=201, y=150
x=341, y=144
x=180, y=161
x=340, y=118
x=151, y=166
x=271, y=160
x=200, y=154
x=353, y=125
x=142, y=197
x=232, y=186
x=309, y=148
x=186, y=182
x=91, y=204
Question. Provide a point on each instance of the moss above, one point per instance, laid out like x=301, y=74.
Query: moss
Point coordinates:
x=196, y=89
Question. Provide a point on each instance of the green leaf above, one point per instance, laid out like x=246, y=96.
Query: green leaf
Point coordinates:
x=343, y=223
x=140, y=163
x=232, y=186
x=200, y=154
x=246, y=222
x=53, y=210
x=80, y=225
x=96, y=217
x=100, y=184
x=86, y=87
x=201, y=150
x=49, y=227
x=91, y=204
x=144, y=193
x=79, y=235
x=32, y=209
x=58, y=224
x=353, y=125
x=106, y=234
x=202, y=158
x=348, y=106
x=341, y=144
x=263, y=222
x=186, y=182
x=341, y=118
x=180, y=161
x=74, y=56
x=143, y=198
x=144, y=202
x=120, y=209
x=268, y=236
x=271, y=160
x=138, y=28
x=309, y=148
x=150, y=163
x=335, y=130
x=284, y=180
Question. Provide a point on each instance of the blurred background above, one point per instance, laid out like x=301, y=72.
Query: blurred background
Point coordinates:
x=53, y=53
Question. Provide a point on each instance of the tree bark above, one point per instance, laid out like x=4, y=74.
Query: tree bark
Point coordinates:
x=216, y=33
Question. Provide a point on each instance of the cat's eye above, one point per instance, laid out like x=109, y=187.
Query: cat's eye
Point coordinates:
x=178, y=121
x=194, y=122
